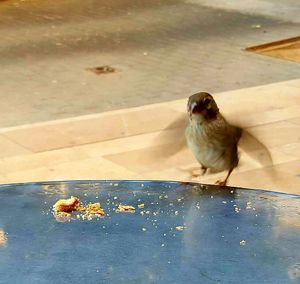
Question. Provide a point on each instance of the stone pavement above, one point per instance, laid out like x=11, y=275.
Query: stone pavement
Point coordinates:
x=139, y=143
x=163, y=49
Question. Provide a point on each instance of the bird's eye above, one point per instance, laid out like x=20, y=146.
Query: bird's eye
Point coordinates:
x=206, y=101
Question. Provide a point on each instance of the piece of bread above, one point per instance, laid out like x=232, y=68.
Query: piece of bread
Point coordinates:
x=67, y=205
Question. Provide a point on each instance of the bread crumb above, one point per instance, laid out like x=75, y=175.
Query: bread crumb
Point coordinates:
x=3, y=238
x=180, y=228
x=66, y=205
x=125, y=208
x=63, y=208
x=92, y=210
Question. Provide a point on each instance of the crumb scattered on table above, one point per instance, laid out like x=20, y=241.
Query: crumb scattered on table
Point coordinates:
x=90, y=211
x=66, y=205
x=125, y=208
x=3, y=238
x=63, y=208
x=180, y=228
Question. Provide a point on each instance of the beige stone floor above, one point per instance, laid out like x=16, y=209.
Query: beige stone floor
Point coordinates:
x=144, y=142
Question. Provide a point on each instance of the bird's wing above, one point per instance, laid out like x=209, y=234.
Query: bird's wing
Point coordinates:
x=254, y=148
x=173, y=134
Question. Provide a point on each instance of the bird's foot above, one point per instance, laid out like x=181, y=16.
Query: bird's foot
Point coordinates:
x=204, y=170
x=221, y=182
x=195, y=173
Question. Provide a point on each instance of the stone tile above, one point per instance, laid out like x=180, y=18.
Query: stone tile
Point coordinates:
x=84, y=169
x=248, y=167
x=292, y=149
x=294, y=83
x=295, y=120
x=170, y=173
x=155, y=158
x=104, y=127
x=276, y=134
x=257, y=159
x=151, y=119
x=163, y=74
x=136, y=142
x=276, y=178
x=252, y=118
x=292, y=167
x=261, y=98
x=10, y=148
x=148, y=143
x=43, y=159
x=50, y=137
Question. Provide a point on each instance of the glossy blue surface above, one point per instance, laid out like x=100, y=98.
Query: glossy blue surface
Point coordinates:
x=136, y=248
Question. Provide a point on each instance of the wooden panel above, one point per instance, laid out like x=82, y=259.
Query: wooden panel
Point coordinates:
x=288, y=49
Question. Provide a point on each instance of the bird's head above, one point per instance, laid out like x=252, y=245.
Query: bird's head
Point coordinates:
x=202, y=106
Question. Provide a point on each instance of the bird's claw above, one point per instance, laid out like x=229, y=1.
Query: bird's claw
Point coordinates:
x=196, y=173
x=221, y=182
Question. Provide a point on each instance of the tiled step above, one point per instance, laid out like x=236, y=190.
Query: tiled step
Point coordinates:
x=146, y=142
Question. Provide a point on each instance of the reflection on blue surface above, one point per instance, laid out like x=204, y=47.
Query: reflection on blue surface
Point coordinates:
x=146, y=247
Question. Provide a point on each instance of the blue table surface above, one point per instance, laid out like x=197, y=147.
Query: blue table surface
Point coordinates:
x=229, y=235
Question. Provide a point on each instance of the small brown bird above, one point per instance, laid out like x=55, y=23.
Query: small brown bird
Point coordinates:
x=213, y=141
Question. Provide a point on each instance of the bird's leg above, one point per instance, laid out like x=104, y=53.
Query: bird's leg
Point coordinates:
x=204, y=170
x=224, y=182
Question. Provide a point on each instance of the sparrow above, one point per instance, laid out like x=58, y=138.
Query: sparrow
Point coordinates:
x=212, y=140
